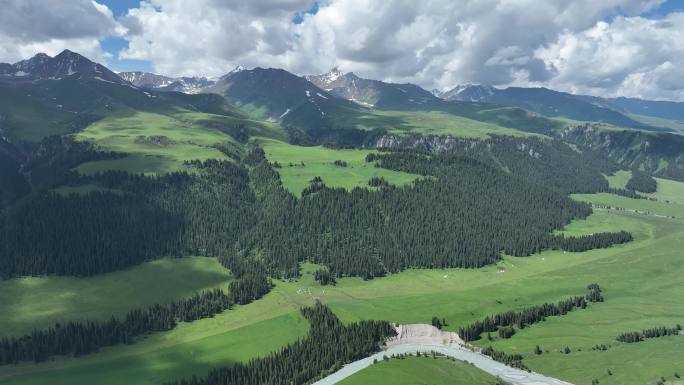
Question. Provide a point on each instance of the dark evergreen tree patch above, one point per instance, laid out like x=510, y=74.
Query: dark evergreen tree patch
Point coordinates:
x=642, y=182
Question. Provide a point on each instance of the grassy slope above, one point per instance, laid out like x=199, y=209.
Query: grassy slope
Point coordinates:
x=677, y=126
x=166, y=356
x=255, y=127
x=418, y=371
x=29, y=119
x=123, y=132
x=433, y=123
x=669, y=191
x=619, y=179
x=671, y=209
x=319, y=161
x=35, y=302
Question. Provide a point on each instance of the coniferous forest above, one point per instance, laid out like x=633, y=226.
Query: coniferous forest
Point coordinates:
x=463, y=213
x=656, y=332
x=640, y=181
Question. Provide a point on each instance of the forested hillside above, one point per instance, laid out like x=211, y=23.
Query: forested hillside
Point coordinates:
x=547, y=162
x=454, y=217
x=659, y=154
x=145, y=218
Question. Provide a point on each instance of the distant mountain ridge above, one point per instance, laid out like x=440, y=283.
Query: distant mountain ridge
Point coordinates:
x=148, y=80
x=543, y=101
x=67, y=63
x=280, y=96
x=619, y=111
x=371, y=93
x=467, y=92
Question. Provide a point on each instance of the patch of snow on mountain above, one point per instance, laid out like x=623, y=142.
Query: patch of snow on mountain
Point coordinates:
x=103, y=80
x=333, y=75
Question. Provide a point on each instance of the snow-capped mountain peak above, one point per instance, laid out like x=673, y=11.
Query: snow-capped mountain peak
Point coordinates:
x=29, y=65
x=333, y=75
x=188, y=85
x=469, y=92
x=67, y=63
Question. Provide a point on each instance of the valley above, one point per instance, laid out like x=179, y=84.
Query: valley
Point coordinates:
x=454, y=294
x=310, y=204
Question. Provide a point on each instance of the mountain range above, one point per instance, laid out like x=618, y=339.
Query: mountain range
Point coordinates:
x=372, y=93
x=269, y=93
x=66, y=93
x=67, y=63
x=625, y=112
x=185, y=84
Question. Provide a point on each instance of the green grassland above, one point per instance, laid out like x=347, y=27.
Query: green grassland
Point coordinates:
x=36, y=302
x=30, y=120
x=319, y=161
x=433, y=123
x=641, y=282
x=419, y=371
x=619, y=178
x=676, y=126
x=671, y=209
x=153, y=143
x=253, y=127
x=669, y=191
x=189, y=349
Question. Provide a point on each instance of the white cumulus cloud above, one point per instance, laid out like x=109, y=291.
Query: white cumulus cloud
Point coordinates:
x=31, y=26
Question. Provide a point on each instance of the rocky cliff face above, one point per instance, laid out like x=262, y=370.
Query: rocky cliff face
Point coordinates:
x=434, y=144
x=661, y=154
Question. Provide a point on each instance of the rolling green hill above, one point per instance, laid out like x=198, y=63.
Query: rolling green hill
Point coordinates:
x=547, y=102
x=37, y=302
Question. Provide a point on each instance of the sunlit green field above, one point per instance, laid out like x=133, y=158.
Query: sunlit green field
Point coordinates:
x=254, y=127
x=189, y=349
x=669, y=191
x=36, y=302
x=153, y=143
x=301, y=164
x=676, y=126
x=642, y=283
x=418, y=371
x=434, y=123
x=671, y=209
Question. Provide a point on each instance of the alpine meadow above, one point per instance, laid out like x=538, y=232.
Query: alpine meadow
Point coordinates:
x=341, y=192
